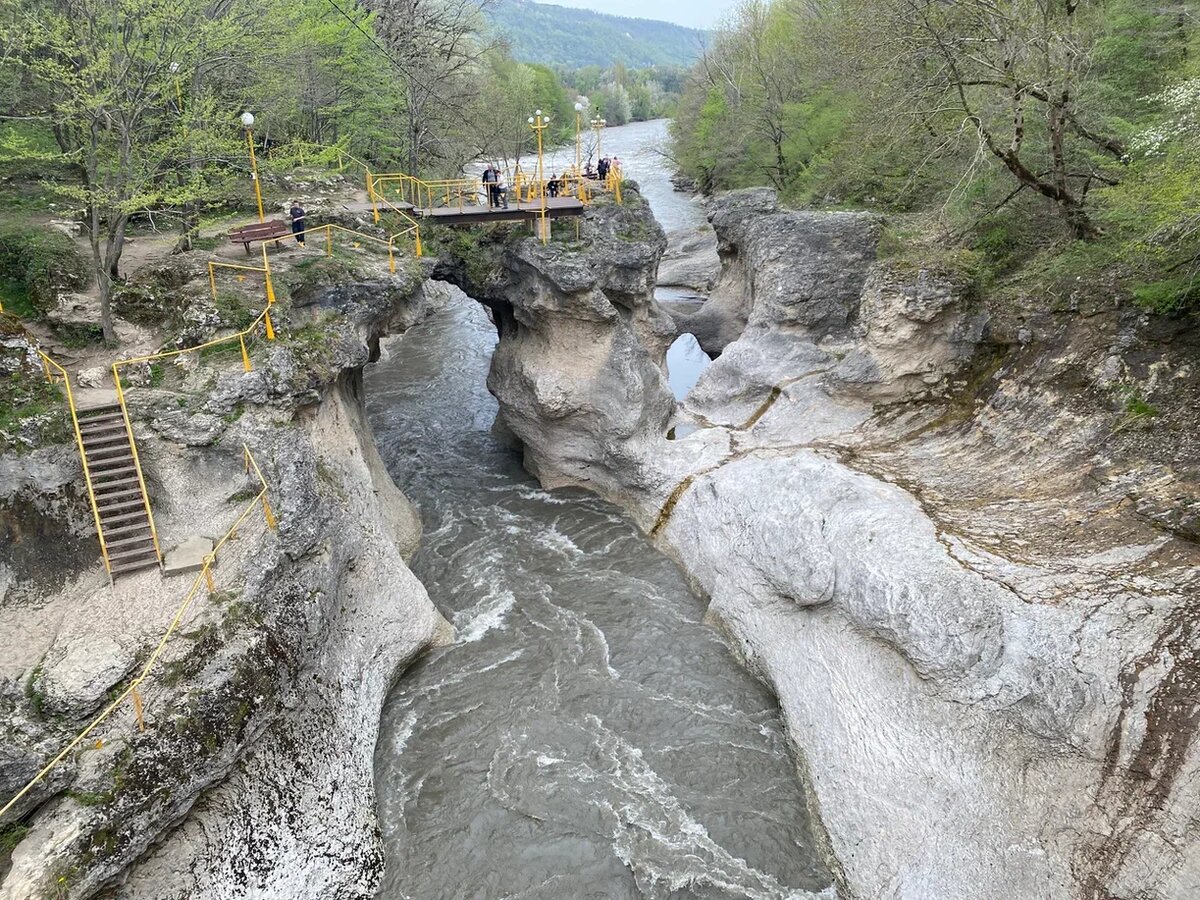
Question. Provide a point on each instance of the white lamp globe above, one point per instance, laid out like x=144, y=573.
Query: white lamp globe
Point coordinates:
x=174, y=67
x=578, y=107
x=247, y=119
x=531, y=120
x=537, y=112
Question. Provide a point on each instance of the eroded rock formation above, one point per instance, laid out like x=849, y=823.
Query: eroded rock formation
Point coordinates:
x=254, y=775
x=932, y=523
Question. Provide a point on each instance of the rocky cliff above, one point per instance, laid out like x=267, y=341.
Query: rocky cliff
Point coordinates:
x=945, y=530
x=254, y=774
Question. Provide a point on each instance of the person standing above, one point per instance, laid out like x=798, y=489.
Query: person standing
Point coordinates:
x=491, y=177
x=552, y=185
x=297, y=214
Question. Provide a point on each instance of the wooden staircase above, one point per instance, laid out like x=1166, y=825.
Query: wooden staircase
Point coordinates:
x=114, y=475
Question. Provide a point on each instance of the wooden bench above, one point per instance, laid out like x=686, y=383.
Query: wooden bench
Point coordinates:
x=260, y=231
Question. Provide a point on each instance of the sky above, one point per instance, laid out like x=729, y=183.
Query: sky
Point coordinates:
x=694, y=13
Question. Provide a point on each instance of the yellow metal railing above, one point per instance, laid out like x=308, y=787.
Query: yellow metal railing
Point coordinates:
x=413, y=227
x=264, y=319
x=49, y=366
x=446, y=192
x=203, y=577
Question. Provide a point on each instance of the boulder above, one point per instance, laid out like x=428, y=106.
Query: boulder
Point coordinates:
x=75, y=677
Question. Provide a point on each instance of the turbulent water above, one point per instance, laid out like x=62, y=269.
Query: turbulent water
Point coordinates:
x=587, y=736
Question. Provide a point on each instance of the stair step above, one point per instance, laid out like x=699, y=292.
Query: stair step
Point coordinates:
x=120, y=455
x=122, y=555
x=114, y=467
x=106, y=453
x=128, y=543
x=89, y=411
x=123, y=497
x=105, y=440
x=103, y=418
x=135, y=566
x=133, y=509
x=92, y=428
x=120, y=530
x=120, y=482
x=104, y=431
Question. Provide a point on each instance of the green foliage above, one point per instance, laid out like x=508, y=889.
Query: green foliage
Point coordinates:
x=1136, y=411
x=32, y=411
x=235, y=311
x=860, y=106
x=77, y=336
x=11, y=835
x=35, y=264
x=558, y=36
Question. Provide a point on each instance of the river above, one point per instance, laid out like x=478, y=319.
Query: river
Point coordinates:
x=587, y=736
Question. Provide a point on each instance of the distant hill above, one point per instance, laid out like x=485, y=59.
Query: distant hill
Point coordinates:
x=559, y=36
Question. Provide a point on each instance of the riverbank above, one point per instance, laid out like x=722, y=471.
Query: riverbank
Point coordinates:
x=890, y=498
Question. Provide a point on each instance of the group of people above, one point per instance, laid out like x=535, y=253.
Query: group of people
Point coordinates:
x=496, y=187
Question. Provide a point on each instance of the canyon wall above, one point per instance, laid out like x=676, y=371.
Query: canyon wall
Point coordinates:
x=254, y=773
x=930, y=521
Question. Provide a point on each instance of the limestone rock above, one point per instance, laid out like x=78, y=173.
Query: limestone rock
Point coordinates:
x=95, y=377
x=189, y=556
x=75, y=678
x=972, y=601
x=690, y=260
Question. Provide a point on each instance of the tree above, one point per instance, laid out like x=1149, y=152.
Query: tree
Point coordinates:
x=1013, y=74
x=104, y=82
x=439, y=49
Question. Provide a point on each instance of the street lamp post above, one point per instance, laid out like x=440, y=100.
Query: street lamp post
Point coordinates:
x=178, y=89
x=580, y=190
x=597, y=126
x=578, y=141
x=539, y=123
x=248, y=122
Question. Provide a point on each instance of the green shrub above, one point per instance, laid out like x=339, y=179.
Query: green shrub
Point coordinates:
x=40, y=262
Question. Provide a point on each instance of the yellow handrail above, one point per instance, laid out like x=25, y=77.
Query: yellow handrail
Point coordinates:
x=204, y=576
x=137, y=462
x=47, y=363
x=263, y=318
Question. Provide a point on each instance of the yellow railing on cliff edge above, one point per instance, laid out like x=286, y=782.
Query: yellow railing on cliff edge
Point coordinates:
x=203, y=577
x=50, y=367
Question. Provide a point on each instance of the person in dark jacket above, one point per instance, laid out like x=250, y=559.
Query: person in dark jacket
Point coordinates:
x=297, y=214
x=491, y=179
x=552, y=186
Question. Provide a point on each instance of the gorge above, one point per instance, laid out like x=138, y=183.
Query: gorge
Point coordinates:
x=904, y=509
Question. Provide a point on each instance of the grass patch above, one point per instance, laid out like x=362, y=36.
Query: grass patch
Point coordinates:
x=234, y=311
x=77, y=336
x=14, y=296
x=32, y=411
x=1137, y=411
x=43, y=261
x=10, y=836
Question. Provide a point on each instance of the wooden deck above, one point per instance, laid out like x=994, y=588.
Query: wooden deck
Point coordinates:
x=556, y=208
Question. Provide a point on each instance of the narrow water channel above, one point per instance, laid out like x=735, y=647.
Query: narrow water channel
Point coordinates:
x=587, y=736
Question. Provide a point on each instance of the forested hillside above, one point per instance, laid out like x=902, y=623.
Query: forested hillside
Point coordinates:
x=1058, y=141
x=573, y=38
x=126, y=112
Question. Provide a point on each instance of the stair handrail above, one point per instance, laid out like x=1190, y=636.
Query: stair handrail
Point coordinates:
x=264, y=318
x=204, y=576
x=47, y=365
x=137, y=463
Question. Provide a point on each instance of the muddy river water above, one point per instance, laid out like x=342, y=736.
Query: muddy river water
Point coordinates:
x=587, y=736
